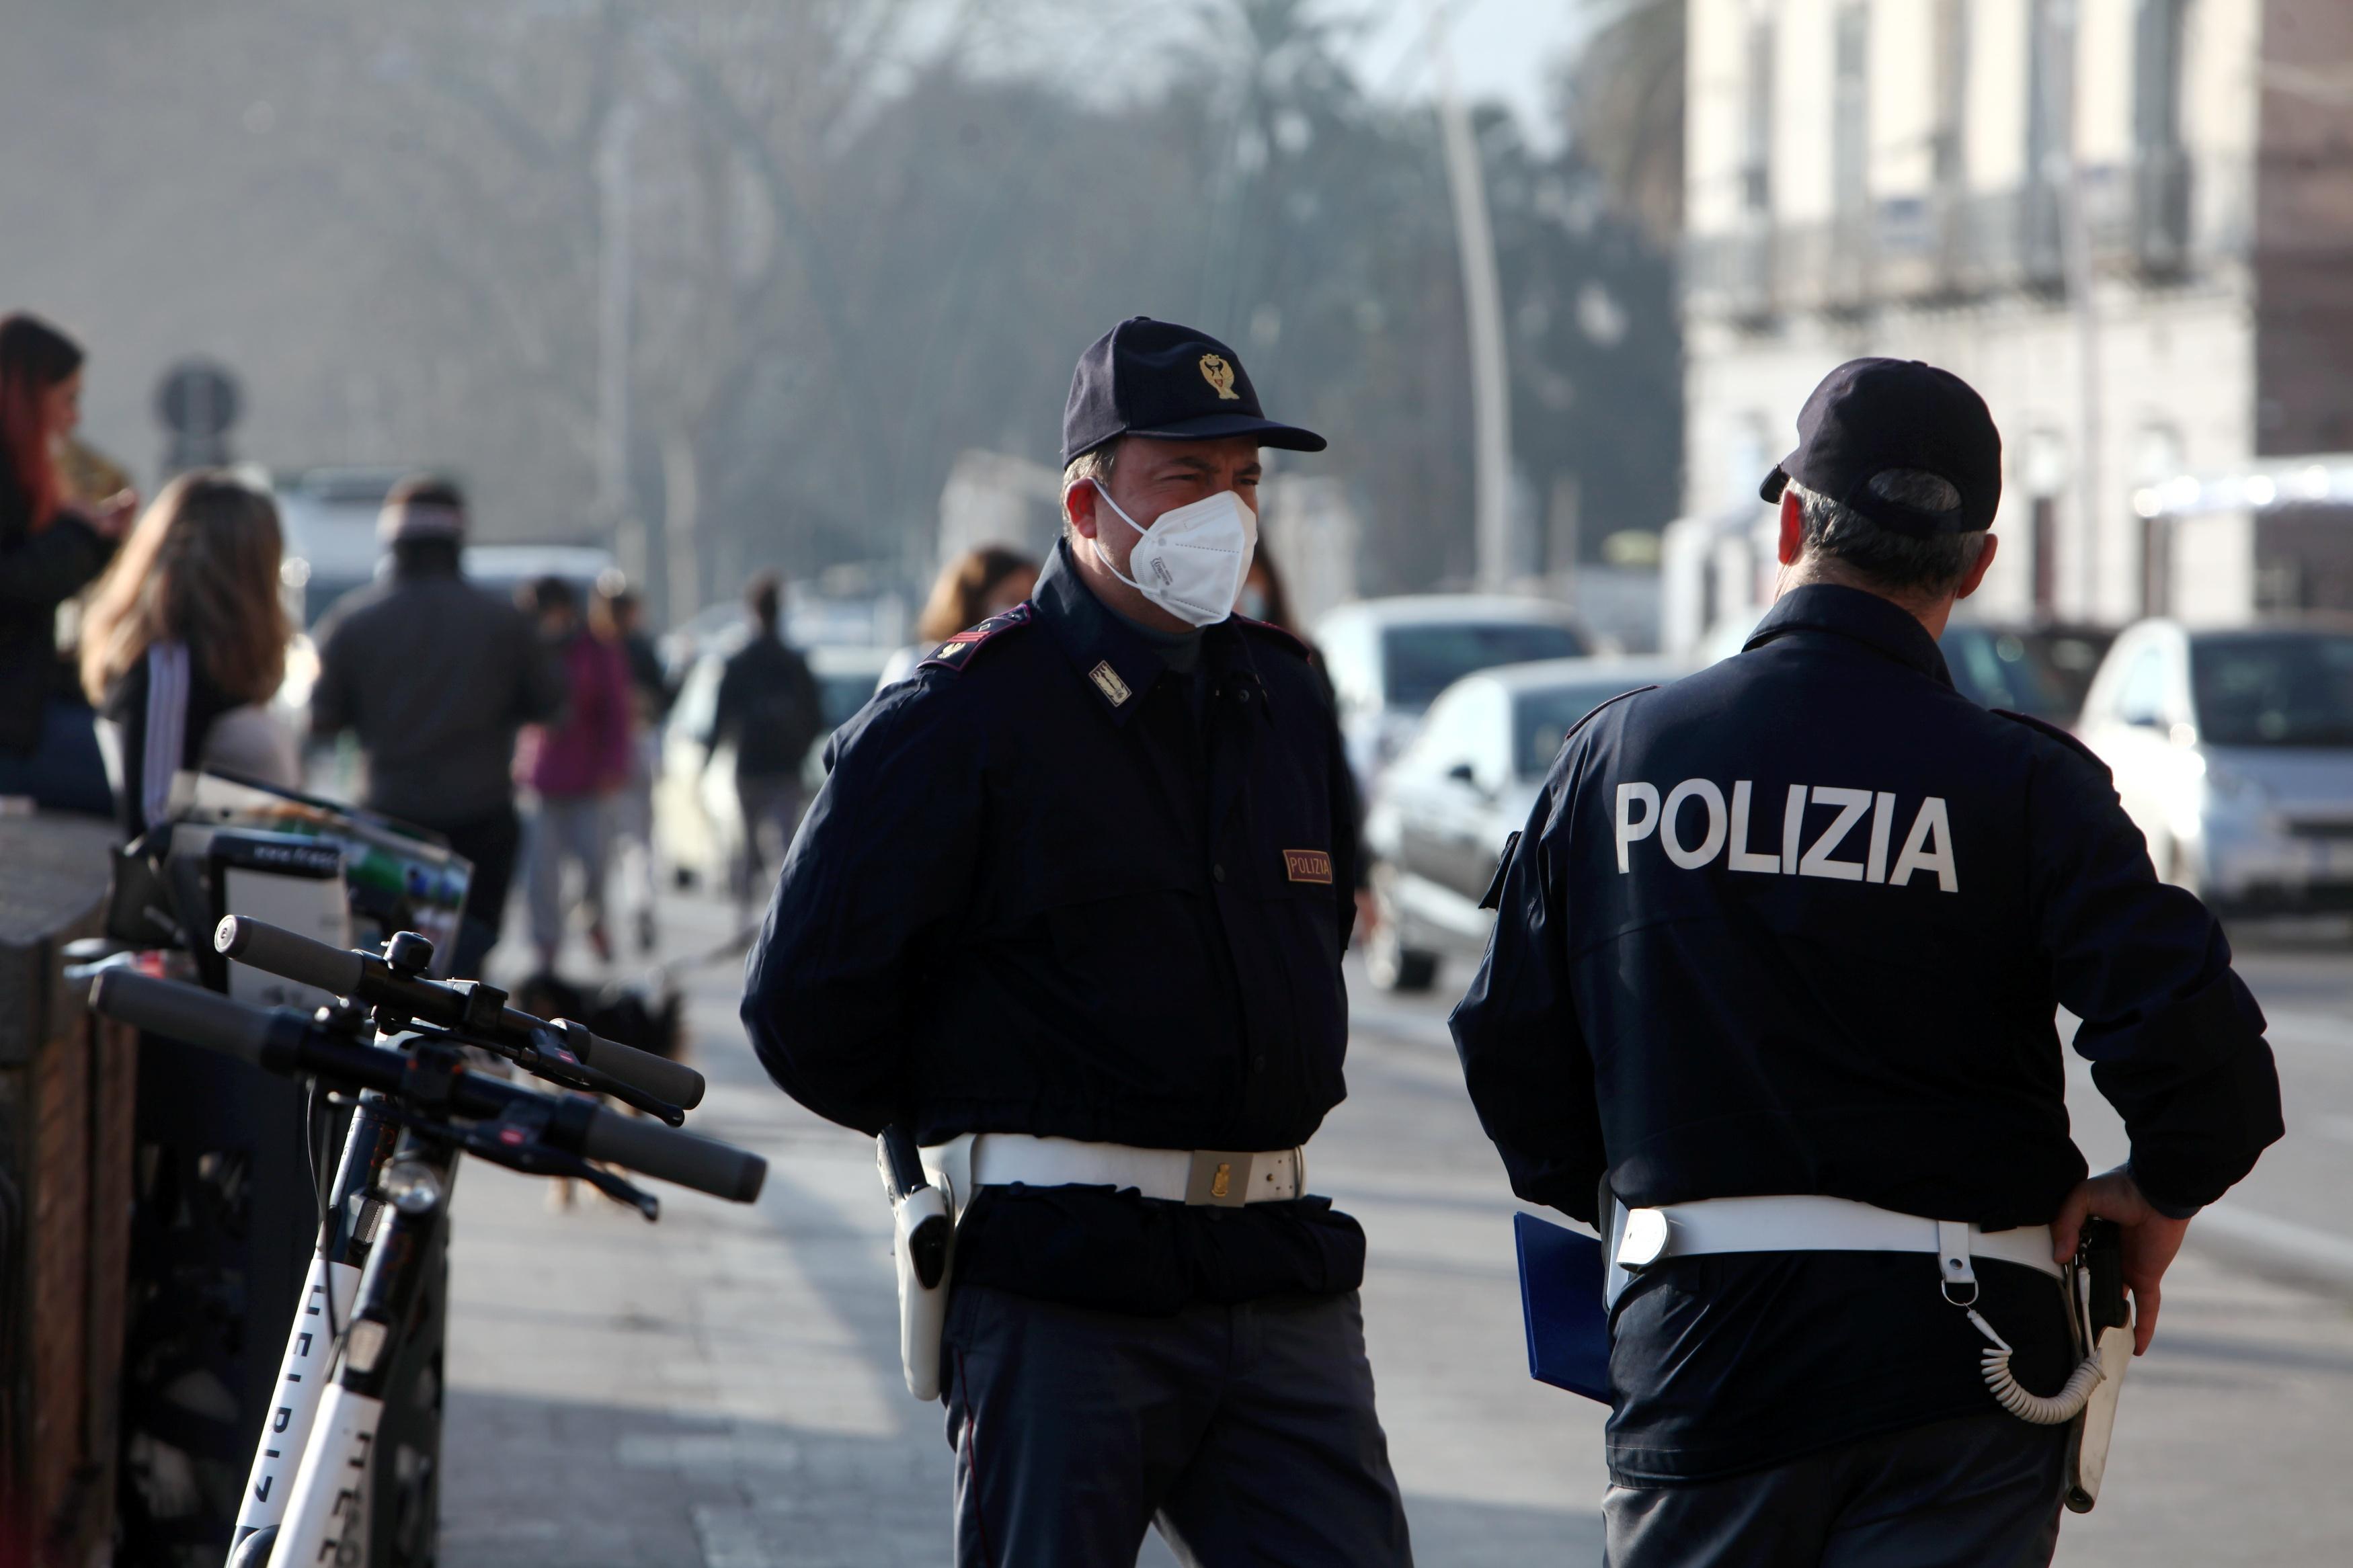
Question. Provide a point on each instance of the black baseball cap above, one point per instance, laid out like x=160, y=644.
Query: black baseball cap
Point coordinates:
x=1169, y=383
x=1871, y=416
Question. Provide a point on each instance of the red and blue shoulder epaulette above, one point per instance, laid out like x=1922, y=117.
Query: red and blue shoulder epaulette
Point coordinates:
x=957, y=651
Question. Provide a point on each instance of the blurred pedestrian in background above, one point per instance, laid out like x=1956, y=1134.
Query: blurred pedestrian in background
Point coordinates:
x=50, y=549
x=573, y=765
x=986, y=580
x=769, y=712
x=185, y=645
x=1265, y=599
x=88, y=477
x=436, y=676
x=617, y=615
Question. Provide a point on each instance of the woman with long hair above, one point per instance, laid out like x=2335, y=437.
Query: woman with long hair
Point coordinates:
x=986, y=580
x=983, y=582
x=49, y=550
x=185, y=642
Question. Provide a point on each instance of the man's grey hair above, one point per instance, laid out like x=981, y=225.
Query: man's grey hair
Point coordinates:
x=1096, y=465
x=1881, y=558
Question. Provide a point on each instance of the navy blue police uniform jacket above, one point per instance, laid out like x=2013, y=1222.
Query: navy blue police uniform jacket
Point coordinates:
x=1800, y=923
x=1053, y=886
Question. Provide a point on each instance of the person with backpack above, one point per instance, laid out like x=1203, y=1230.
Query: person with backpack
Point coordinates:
x=768, y=710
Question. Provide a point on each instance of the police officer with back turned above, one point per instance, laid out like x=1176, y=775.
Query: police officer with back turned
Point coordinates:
x=1771, y=998
x=1070, y=906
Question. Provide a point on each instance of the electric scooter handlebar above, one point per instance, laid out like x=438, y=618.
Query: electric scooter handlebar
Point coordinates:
x=283, y=1040
x=188, y=1013
x=290, y=956
x=464, y=1005
x=652, y=1150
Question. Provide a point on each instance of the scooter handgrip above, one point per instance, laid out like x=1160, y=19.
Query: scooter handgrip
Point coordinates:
x=641, y=1070
x=652, y=1150
x=181, y=1012
x=287, y=955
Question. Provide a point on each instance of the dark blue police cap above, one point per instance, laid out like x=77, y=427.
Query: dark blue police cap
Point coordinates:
x=1169, y=383
x=1872, y=416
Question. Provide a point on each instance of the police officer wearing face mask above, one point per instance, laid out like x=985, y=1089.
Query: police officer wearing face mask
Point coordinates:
x=1070, y=906
x=1770, y=999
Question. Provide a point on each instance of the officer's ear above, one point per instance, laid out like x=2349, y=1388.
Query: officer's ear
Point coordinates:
x=1079, y=506
x=1793, y=528
x=1977, y=574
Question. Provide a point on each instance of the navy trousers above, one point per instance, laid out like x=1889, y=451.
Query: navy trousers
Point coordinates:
x=1245, y=1433
x=1982, y=1491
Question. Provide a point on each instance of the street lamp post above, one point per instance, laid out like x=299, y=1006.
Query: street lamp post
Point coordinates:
x=615, y=289
x=1482, y=296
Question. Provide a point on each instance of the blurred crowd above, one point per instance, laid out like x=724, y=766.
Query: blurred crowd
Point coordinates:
x=135, y=645
x=138, y=644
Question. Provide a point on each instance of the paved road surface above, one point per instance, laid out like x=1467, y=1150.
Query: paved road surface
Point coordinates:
x=723, y=1388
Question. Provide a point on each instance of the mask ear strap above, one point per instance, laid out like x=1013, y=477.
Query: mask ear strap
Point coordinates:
x=1116, y=508
x=1103, y=555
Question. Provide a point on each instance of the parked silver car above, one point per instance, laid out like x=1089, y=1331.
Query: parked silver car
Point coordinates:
x=1436, y=826
x=1389, y=658
x=2234, y=752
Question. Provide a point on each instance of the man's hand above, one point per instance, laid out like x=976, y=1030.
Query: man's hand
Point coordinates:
x=2150, y=1240
x=113, y=516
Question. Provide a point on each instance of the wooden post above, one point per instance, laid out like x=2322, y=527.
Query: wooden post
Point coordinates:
x=67, y=1097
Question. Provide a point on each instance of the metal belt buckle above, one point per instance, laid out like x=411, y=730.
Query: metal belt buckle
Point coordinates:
x=1643, y=1240
x=1219, y=1178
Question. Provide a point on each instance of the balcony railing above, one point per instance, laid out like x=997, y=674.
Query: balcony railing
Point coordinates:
x=1950, y=247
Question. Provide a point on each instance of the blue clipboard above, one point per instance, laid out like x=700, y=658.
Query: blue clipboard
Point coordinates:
x=1560, y=1294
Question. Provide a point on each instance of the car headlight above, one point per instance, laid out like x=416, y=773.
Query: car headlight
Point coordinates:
x=2225, y=795
x=2227, y=787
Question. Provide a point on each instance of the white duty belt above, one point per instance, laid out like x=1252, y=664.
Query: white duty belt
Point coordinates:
x=1637, y=1239
x=1641, y=1237
x=1219, y=1178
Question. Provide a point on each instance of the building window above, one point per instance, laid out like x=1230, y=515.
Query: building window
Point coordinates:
x=2049, y=115
x=1757, y=151
x=2157, y=74
x=1851, y=111
x=2160, y=167
x=1952, y=46
x=1948, y=147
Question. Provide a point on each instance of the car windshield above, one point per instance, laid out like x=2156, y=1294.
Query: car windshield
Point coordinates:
x=2274, y=688
x=2068, y=657
x=1422, y=661
x=1998, y=670
x=1542, y=720
x=841, y=696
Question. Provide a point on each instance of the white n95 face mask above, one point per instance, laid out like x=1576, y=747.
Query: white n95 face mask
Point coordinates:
x=1191, y=562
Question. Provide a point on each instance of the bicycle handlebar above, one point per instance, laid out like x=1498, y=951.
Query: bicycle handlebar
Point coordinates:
x=464, y=1006
x=284, y=1041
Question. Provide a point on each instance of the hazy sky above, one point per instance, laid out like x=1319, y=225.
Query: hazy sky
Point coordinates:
x=1502, y=49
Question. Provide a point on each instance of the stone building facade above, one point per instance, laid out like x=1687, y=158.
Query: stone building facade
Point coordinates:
x=1937, y=179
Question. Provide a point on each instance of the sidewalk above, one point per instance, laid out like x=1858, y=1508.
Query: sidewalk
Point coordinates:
x=723, y=1388
x=702, y=1390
